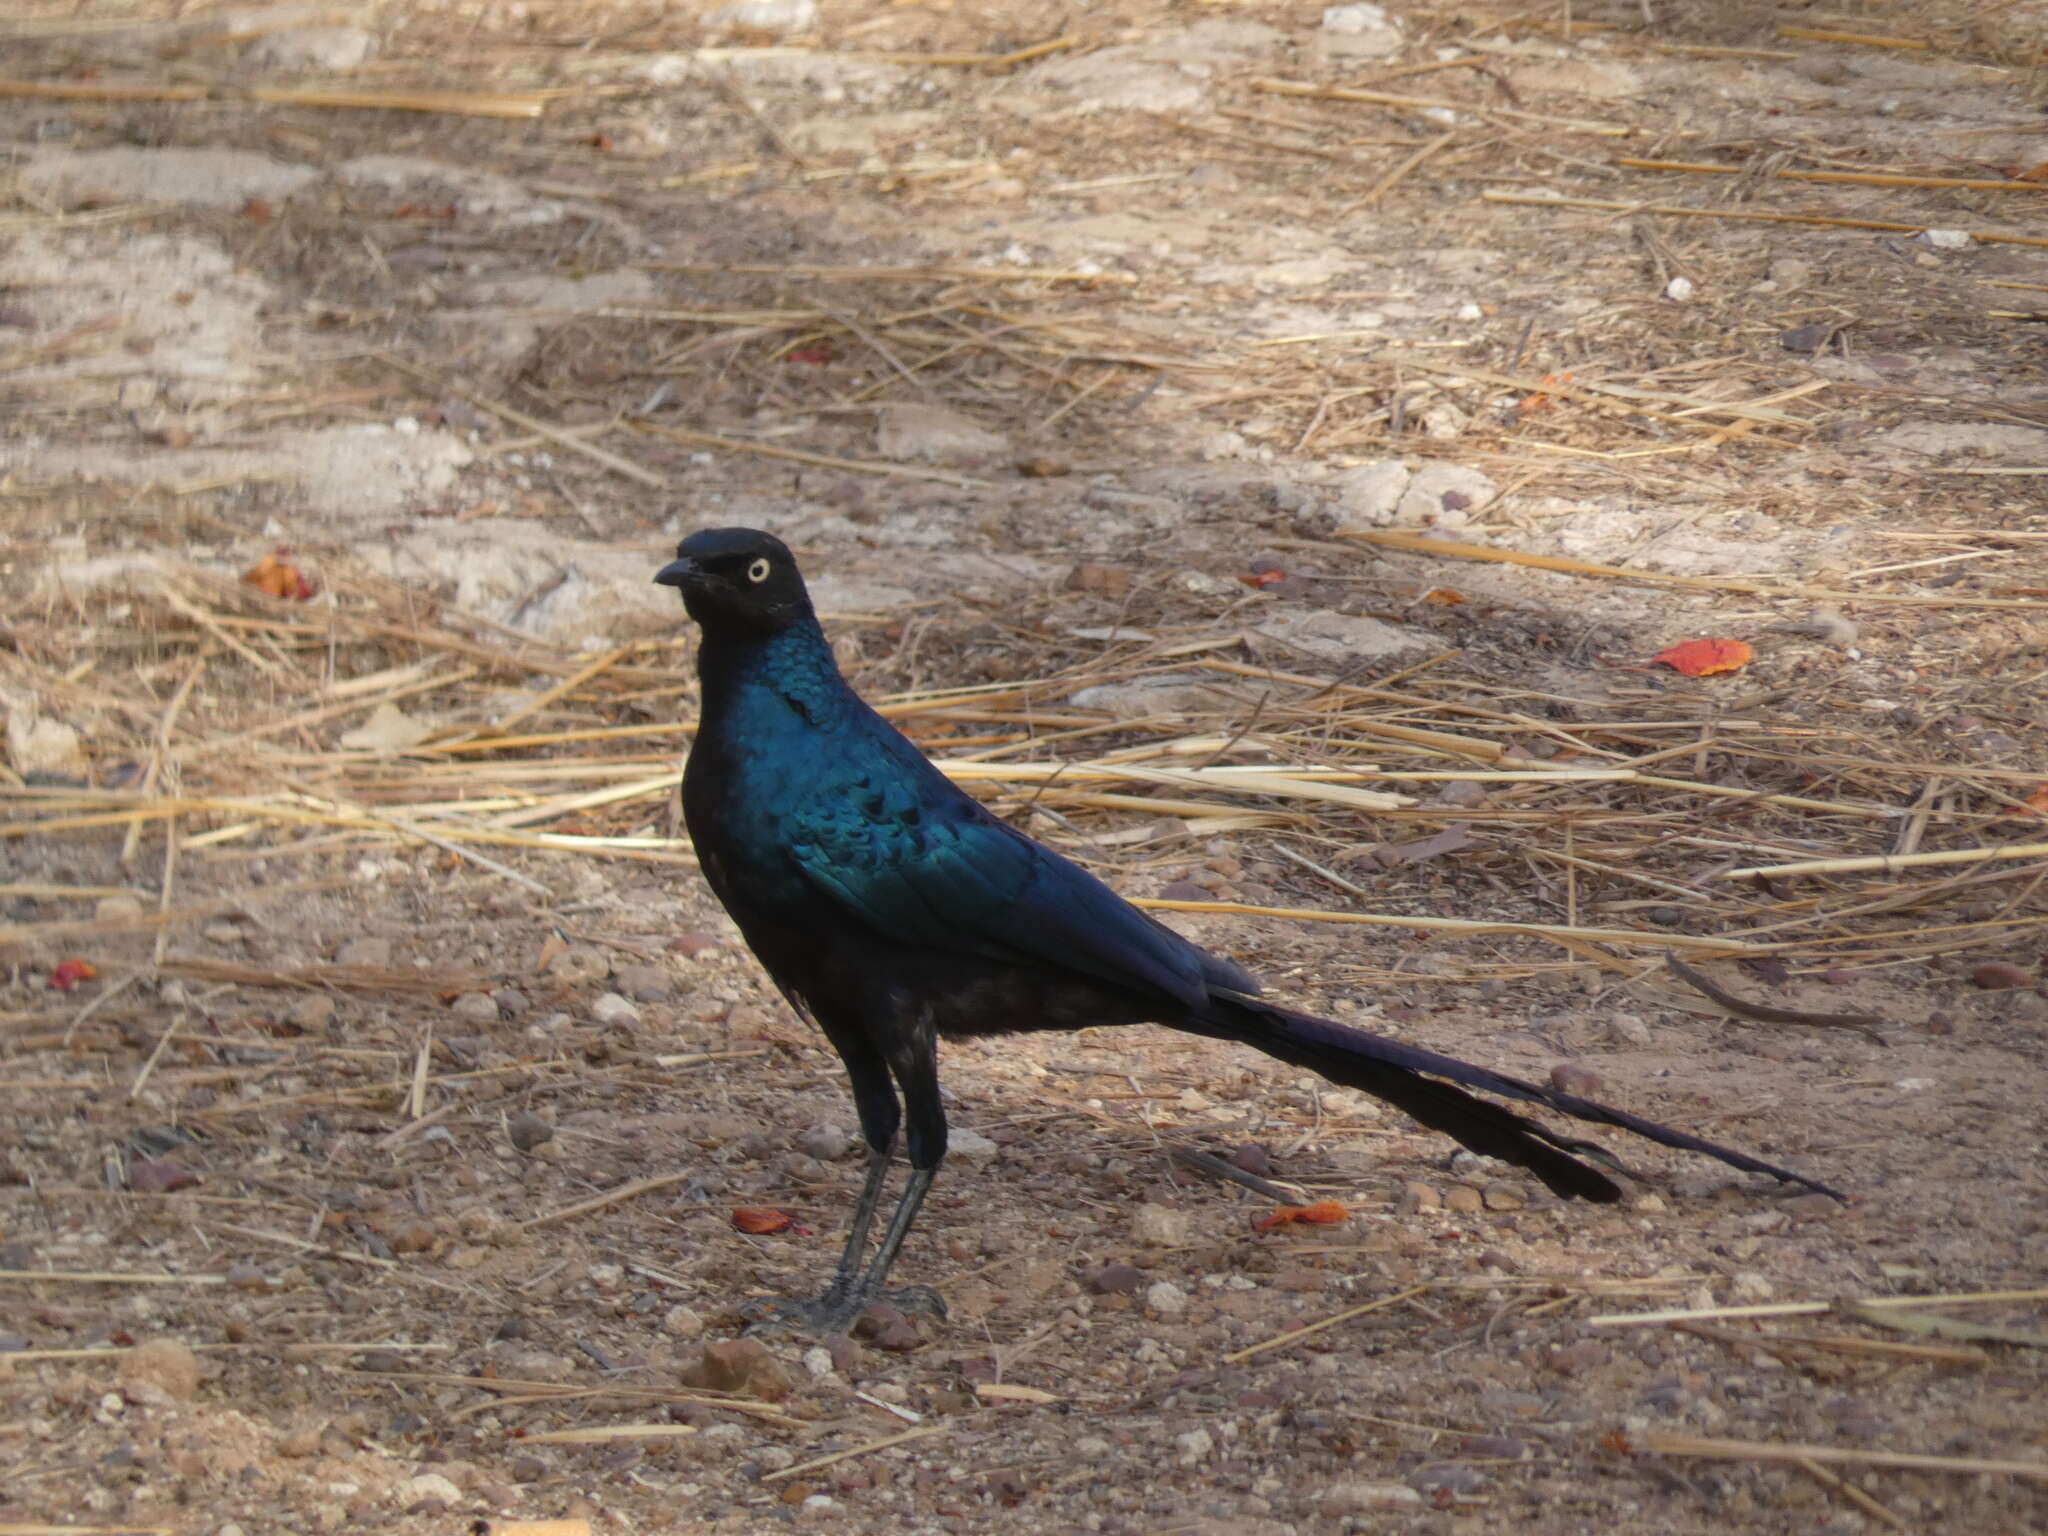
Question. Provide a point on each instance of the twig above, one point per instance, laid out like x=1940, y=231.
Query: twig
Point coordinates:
x=610, y=1197
x=882, y=1444
x=1535, y=200
x=1850, y=178
x=1329, y=1322
x=1849, y=1491
x=1399, y=173
x=1811, y=1308
x=1762, y=1450
x=1890, y=863
x=1763, y=1013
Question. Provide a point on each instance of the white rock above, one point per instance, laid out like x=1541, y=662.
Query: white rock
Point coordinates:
x=1356, y=18
x=475, y=1008
x=1194, y=1447
x=1159, y=1225
x=389, y=729
x=1679, y=290
x=429, y=1485
x=1946, y=239
x=827, y=1141
x=772, y=15
x=1443, y=494
x=818, y=1361
x=1166, y=1298
x=1371, y=492
x=1749, y=1286
x=1627, y=1029
x=1353, y=1496
x=682, y=1323
x=971, y=1147
x=1470, y=311
x=615, y=1011
x=38, y=744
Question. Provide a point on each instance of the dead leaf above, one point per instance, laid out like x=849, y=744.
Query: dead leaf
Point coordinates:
x=1703, y=658
x=72, y=972
x=1448, y=597
x=1321, y=1213
x=277, y=576
x=761, y=1219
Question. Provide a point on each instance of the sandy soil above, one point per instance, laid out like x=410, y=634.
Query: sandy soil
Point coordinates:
x=381, y=1188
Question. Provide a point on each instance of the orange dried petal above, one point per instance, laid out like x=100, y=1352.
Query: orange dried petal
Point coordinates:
x=760, y=1219
x=1703, y=658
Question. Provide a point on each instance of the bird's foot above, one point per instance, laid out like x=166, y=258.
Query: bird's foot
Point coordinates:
x=836, y=1312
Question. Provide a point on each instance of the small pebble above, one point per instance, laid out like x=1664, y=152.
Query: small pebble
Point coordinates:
x=117, y=909
x=642, y=983
x=475, y=1008
x=1504, y=1197
x=1166, y=1298
x=1577, y=1078
x=691, y=945
x=245, y=1276
x=1627, y=1029
x=614, y=1012
x=311, y=1014
x=527, y=1130
x=682, y=1323
x=1116, y=1280
x=1749, y=1286
x=1253, y=1159
x=159, y=1176
x=971, y=1148
x=1160, y=1226
x=1680, y=289
x=1998, y=975
x=1417, y=1196
x=826, y=1141
x=1463, y=1199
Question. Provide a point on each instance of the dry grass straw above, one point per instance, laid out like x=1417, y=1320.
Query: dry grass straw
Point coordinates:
x=584, y=766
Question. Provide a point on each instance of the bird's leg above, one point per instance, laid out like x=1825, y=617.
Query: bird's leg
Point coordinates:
x=857, y=1236
x=857, y=1301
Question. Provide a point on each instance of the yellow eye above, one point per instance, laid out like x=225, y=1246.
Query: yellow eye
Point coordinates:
x=758, y=571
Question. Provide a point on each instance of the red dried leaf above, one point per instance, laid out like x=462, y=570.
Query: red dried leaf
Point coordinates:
x=278, y=577
x=761, y=1219
x=1263, y=579
x=1703, y=658
x=817, y=354
x=1448, y=597
x=2037, y=802
x=1532, y=404
x=71, y=973
x=1321, y=1213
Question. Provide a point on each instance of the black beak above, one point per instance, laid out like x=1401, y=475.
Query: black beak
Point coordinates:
x=678, y=573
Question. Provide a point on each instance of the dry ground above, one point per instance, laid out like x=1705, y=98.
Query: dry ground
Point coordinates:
x=1105, y=387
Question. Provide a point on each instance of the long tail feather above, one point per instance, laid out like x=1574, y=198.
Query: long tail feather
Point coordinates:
x=1393, y=1071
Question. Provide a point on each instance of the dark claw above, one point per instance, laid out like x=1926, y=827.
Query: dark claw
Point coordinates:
x=829, y=1314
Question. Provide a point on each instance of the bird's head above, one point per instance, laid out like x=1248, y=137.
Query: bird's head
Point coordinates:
x=738, y=580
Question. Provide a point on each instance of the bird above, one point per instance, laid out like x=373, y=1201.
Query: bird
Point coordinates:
x=894, y=910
